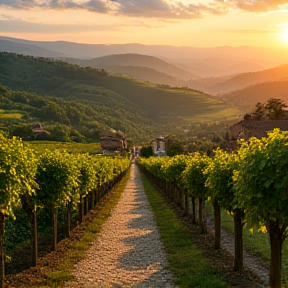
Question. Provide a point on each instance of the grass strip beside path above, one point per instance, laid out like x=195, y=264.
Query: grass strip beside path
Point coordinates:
x=187, y=263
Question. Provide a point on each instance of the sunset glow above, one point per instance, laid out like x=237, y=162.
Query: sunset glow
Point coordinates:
x=285, y=35
x=197, y=23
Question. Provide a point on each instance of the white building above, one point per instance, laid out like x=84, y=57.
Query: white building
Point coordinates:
x=158, y=146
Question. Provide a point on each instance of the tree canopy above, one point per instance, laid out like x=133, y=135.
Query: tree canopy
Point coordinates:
x=273, y=109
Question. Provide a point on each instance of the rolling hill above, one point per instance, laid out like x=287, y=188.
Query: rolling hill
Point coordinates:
x=224, y=85
x=27, y=49
x=146, y=74
x=138, y=60
x=137, y=108
x=246, y=99
x=219, y=67
x=203, y=61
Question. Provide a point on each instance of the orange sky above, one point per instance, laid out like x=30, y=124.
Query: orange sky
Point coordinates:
x=178, y=22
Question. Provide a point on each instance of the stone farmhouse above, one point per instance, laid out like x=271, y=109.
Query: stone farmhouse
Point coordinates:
x=246, y=129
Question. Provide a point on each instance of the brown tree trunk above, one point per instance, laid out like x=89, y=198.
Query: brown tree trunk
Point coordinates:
x=238, y=242
x=103, y=191
x=54, y=241
x=171, y=192
x=193, y=210
x=276, y=235
x=177, y=196
x=80, y=217
x=93, y=199
x=97, y=195
x=2, y=255
x=186, y=202
x=86, y=204
x=32, y=216
x=200, y=216
x=166, y=189
x=34, y=240
x=217, y=221
x=180, y=197
x=81, y=210
x=68, y=220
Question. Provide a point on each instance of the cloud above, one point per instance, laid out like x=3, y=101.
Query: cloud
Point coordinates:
x=249, y=31
x=20, y=4
x=253, y=5
x=160, y=9
x=92, y=5
x=139, y=8
x=18, y=25
x=97, y=6
x=164, y=9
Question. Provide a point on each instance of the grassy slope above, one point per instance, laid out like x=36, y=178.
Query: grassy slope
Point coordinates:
x=166, y=103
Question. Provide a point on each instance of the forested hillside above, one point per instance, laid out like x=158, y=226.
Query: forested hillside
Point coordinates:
x=66, y=98
x=65, y=120
x=87, y=100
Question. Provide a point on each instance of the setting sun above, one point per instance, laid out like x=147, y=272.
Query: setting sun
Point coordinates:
x=285, y=35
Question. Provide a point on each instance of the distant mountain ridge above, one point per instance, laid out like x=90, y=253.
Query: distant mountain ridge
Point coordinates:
x=222, y=85
x=220, y=66
x=246, y=99
x=203, y=61
x=176, y=67
x=138, y=60
x=27, y=49
x=146, y=74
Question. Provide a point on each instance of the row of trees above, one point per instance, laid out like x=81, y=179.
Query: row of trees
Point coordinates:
x=51, y=180
x=251, y=184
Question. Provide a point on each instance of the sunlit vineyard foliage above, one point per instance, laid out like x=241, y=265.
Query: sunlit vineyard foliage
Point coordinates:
x=54, y=180
x=70, y=147
x=251, y=184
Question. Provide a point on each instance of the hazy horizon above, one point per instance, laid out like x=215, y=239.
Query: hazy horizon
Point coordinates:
x=143, y=44
x=190, y=23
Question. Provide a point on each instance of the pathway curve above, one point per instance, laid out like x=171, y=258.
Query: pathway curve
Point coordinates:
x=128, y=251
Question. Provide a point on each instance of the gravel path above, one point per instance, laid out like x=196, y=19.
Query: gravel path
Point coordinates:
x=128, y=251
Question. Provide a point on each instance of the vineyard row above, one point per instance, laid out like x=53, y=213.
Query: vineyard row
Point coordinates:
x=251, y=184
x=51, y=180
